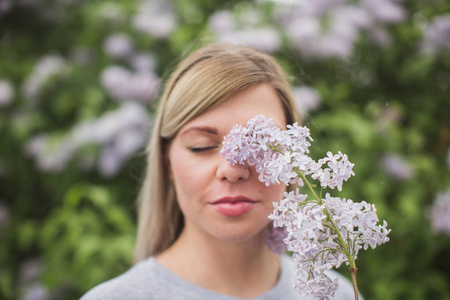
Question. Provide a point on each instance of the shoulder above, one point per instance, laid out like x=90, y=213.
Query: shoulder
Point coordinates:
x=136, y=283
x=345, y=289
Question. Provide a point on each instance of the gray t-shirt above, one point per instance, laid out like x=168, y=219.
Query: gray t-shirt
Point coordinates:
x=150, y=280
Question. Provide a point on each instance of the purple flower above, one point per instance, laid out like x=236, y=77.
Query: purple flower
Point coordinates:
x=306, y=98
x=143, y=62
x=274, y=239
x=118, y=134
x=245, y=29
x=397, y=166
x=437, y=35
x=385, y=11
x=345, y=21
x=156, y=18
x=439, y=213
x=121, y=84
x=222, y=22
x=265, y=39
x=36, y=291
x=5, y=6
x=47, y=67
x=119, y=46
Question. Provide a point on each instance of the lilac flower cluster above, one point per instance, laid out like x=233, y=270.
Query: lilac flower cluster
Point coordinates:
x=47, y=68
x=282, y=155
x=321, y=232
x=118, y=135
x=346, y=20
x=437, y=34
x=124, y=85
x=439, y=213
x=317, y=246
x=398, y=167
x=246, y=28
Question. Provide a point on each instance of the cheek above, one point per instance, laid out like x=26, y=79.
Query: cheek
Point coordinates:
x=277, y=191
x=182, y=175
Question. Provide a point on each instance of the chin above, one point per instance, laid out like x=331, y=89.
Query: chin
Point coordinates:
x=242, y=233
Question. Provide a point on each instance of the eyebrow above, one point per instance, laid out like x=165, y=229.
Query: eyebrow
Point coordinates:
x=205, y=129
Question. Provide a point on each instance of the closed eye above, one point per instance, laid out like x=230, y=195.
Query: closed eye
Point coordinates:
x=202, y=149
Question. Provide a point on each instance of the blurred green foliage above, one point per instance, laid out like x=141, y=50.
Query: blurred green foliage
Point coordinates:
x=78, y=225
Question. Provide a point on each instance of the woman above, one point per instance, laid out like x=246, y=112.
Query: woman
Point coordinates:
x=203, y=221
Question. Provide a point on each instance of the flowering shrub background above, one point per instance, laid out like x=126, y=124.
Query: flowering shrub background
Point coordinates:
x=79, y=82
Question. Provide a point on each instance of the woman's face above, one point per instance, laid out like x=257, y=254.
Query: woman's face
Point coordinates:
x=218, y=199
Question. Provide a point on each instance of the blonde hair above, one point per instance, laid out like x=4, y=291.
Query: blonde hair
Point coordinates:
x=202, y=80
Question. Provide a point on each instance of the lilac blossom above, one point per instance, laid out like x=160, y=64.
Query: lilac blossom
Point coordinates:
x=247, y=30
x=222, y=21
x=439, y=213
x=306, y=98
x=5, y=6
x=118, y=134
x=47, y=67
x=345, y=22
x=36, y=291
x=6, y=92
x=143, y=62
x=281, y=156
x=265, y=39
x=118, y=46
x=322, y=232
x=122, y=84
x=437, y=34
x=156, y=18
x=397, y=166
x=274, y=239
x=385, y=11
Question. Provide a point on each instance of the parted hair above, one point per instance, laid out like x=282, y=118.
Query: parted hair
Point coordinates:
x=204, y=79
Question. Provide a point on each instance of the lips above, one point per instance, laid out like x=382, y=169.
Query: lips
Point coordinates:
x=233, y=206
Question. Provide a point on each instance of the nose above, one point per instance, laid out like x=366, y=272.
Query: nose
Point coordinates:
x=226, y=171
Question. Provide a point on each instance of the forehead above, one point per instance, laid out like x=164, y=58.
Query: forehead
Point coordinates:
x=241, y=107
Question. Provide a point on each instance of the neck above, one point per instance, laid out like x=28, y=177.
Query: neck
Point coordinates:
x=243, y=269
